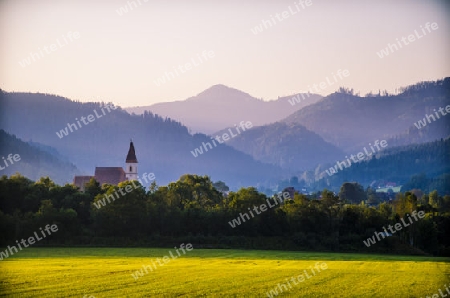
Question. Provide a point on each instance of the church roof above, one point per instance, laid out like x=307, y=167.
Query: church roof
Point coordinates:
x=110, y=175
x=131, y=156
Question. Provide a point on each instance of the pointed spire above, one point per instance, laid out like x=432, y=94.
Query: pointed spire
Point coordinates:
x=131, y=156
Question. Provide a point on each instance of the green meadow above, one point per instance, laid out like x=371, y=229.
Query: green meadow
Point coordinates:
x=107, y=272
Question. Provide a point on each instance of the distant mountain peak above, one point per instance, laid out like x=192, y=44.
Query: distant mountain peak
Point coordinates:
x=220, y=92
x=219, y=87
x=220, y=106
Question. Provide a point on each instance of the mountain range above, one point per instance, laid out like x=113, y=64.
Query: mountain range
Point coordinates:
x=163, y=146
x=350, y=122
x=289, y=136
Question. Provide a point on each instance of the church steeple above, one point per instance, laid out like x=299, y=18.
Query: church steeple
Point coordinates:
x=131, y=156
x=131, y=163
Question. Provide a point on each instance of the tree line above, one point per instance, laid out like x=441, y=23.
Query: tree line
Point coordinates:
x=196, y=210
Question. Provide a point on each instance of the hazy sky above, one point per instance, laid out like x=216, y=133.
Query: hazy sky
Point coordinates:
x=118, y=58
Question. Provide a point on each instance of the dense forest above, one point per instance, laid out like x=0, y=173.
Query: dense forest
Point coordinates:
x=196, y=210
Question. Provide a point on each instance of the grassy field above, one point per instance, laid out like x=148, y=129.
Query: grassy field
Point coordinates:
x=106, y=272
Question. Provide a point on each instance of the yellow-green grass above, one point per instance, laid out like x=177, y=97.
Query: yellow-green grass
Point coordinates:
x=106, y=272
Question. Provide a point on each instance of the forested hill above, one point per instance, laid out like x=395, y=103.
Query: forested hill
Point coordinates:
x=32, y=162
x=434, y=130
x=163, y=146
x=350, y=121
x=290, y=146
x=398, y=165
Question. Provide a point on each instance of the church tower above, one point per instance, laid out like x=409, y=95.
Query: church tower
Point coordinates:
x=131, y=164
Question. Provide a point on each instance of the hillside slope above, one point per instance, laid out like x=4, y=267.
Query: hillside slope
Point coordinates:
x=290, y=146
x=396, y=164
x=351, y=122
x=32, y=162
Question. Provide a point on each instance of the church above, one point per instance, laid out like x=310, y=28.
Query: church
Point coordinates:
x=112, y=175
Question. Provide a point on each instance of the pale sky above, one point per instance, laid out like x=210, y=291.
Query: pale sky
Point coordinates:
x=117, y=58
